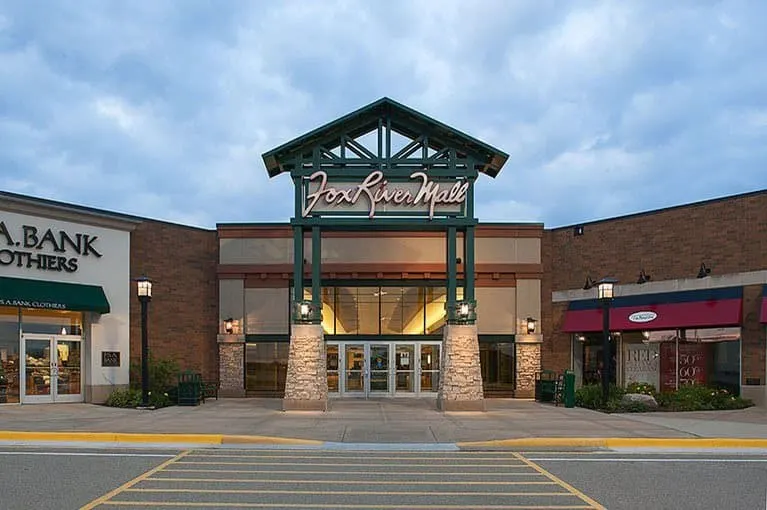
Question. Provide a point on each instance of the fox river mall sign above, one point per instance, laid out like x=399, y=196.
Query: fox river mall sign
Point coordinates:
x=27, y=247
x=420, y=196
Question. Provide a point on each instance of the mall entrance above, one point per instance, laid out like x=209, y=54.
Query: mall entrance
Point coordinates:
x=383, y=369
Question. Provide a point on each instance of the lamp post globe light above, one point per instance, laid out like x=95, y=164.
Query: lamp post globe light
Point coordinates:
x=605, y=293
x=144, y=291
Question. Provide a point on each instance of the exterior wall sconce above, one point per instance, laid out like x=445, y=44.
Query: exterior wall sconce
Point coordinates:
x=306, y=312
x=703, y=271
x=229, y=326
x=589, y=283
x=531, y=323
x=581, y=337
x=464, y=312
x=643, y=277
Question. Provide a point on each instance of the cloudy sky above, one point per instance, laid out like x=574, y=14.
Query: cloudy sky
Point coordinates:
x=163, y=109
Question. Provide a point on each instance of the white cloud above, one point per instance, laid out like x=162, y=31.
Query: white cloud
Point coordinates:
x=605, y=107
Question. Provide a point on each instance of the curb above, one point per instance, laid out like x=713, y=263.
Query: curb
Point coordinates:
x=186, y=439
x=616, y=442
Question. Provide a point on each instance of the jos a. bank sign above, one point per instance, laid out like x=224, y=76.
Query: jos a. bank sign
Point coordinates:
x=420, y=196
x=44, y=249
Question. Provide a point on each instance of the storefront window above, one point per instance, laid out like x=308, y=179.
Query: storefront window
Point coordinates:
x=383, y=310
x=587, y=358
x=497, y=364
x=9, y=355
x=266, y=367
x=666, y=359
x=51, y=322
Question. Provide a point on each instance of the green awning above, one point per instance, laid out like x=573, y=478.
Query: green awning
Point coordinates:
x=52, y=295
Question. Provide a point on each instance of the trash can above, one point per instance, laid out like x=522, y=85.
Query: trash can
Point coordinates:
x=568, y=392
x=545, y=385
x=189, y=388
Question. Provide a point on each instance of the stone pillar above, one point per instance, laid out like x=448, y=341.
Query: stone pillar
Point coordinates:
x=306, y=387
x=231, y=365
x=528, y=356
x=460, y=382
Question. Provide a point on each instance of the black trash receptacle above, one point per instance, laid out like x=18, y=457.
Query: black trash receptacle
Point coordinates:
x=189, y=388
x=545, y=385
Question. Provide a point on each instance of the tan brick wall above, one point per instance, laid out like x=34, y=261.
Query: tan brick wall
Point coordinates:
x=461, y=380
x=231, y=358
x=729, y=236
x=528, y=365
x=183, y=314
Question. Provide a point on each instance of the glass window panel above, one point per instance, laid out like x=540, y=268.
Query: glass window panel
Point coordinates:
x=69, y=375
x=332, y=363
x=368, y=311
x=266, y=367
x=52, y=322
x=9, y=355
x=346, y=311
x=391, y=310
x=413, y=310
x=267, y=310
x=497, y=365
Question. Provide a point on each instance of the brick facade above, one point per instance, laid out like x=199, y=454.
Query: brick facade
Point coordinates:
x=183, y=313
x=728, y=235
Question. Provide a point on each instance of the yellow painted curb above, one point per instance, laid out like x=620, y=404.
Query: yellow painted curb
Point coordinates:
x=270, y=440
x=617, y=442
x=113, y=437
x=110, y=437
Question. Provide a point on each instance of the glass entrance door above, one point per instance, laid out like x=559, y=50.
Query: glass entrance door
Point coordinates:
x=404, y=361
x=378, y=361
x=52, y=369
x=429, y=367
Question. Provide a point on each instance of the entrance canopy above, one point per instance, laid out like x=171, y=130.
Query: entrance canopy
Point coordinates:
x=339, y=141
x=763, y=316
x=672, y=310
x=52, y=295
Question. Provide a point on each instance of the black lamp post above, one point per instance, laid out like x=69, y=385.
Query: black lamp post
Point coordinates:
x=144, y=287
x=605, y=288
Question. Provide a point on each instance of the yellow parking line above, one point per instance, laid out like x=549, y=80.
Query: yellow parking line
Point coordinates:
x=342, y=464
x=302, y=472
x=339, y=482
x=334, y=505
x=560, y=482
x=127, y=485
x=347, y=493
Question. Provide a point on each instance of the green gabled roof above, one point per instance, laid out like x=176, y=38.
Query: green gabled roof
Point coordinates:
x=404, y=120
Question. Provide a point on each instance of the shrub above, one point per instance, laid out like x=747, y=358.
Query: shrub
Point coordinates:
x=590, y=396
x=641, y=388
x=701, y=398
x=132, y=398
x=163, y=375
x=124, y=398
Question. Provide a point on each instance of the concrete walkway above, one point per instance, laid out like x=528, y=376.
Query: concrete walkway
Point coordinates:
x=385, y=421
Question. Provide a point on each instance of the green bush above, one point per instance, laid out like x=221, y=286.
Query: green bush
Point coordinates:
x=124, y=398
x=641, y=388
x=163, y=375
x=590, y=396
x=701, y=398
x=132, y=398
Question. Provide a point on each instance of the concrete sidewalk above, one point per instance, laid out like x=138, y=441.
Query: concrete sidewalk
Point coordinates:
x=385, y=421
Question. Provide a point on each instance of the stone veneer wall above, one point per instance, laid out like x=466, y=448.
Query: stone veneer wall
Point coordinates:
x=460, y=384
x=306, y=385
x=528, y=365
x=231, y=355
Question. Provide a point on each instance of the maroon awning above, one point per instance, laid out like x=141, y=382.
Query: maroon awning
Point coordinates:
x=659, y=311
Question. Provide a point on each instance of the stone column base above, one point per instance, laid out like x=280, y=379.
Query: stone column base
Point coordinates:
x=231, y=365
x=460, y=384
x=528, y=354
x=306, y=385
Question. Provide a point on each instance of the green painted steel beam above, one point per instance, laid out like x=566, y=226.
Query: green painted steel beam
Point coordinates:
x=316, y=265
x=451, y=267
x=468, y=263
x=298, y=262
